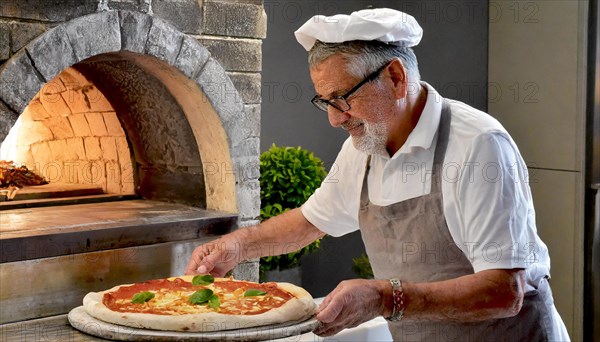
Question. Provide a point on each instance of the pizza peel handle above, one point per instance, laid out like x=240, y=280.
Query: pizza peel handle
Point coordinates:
x=82, y=321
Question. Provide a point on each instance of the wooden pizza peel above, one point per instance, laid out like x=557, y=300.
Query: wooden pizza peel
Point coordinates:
x=82, y=321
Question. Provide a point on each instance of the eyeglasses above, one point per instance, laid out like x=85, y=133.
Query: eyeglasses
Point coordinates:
x=341, y=102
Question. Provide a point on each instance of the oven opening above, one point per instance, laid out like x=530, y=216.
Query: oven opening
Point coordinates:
x=111, y=154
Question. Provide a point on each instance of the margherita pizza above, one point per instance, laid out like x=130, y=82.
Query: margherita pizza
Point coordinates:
x=199, y=304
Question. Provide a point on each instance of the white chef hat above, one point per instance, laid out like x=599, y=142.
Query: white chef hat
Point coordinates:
x=383, y=24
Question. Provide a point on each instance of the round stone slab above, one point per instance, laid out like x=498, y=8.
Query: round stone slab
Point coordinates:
x=82, y=321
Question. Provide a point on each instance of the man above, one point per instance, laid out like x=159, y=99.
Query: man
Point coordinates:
x=438, y=190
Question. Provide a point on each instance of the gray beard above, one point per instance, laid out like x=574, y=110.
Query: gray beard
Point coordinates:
x=374, y=139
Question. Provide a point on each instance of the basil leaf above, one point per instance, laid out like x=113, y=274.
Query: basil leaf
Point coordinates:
x=254, y=292
x=205, y=279
x=201, y=296
x=142, y=297
x=214, y=301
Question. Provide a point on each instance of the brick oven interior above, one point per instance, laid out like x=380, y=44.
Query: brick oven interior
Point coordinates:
x=77, y=145
x=144, y=119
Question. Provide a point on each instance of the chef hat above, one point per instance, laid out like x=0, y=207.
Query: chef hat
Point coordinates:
x=383, y=24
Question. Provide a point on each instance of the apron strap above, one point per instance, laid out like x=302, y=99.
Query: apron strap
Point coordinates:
x=364, y=193
x=443, y=135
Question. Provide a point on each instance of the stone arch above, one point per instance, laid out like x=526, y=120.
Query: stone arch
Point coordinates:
x=206, y=95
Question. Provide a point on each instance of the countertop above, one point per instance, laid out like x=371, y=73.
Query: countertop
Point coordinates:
x=57, y=328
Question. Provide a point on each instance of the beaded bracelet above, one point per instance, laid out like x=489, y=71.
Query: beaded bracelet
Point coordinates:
x=398, y=301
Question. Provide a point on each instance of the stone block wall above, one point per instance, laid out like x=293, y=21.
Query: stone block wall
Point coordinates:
x=232, y=30
x=70, y=134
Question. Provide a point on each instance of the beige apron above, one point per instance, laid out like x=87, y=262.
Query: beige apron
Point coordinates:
x=410, y=240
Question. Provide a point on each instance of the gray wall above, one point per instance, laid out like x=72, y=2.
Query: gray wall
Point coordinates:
x=452, y=57
x=537, y=62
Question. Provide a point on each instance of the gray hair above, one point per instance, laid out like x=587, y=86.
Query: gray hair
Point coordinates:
x=364, y=57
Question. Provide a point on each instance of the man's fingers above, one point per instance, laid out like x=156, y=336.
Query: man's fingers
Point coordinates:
x=201, y=258
x=328, y=299
x=192, y=265
x=323, y=304
x=329, y=329
x=326, y=331
x=330, y=312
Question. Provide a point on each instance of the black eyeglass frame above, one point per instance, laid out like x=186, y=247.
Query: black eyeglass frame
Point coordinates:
x=323, y=104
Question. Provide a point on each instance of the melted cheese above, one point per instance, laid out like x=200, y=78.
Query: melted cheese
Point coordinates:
x=176, y=302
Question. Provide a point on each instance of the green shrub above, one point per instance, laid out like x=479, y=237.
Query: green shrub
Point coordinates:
x=362, y=267
x=288, y=176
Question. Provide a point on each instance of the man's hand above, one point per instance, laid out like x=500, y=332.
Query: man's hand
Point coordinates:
x=271, y=237
x=351, y=303
x=217, y=257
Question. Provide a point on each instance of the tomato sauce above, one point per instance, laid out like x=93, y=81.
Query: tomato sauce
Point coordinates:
x=127, y=292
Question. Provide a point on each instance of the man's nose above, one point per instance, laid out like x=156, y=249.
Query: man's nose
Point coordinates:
x=336, y=116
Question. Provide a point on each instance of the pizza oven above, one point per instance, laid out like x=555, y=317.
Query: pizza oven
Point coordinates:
x=142, y=120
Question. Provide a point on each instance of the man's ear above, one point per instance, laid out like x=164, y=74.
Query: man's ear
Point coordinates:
x=398, y=77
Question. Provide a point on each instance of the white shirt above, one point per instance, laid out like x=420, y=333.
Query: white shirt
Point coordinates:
x=487, y=200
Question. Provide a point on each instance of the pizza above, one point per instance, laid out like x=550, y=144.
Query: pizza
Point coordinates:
x=200, y=303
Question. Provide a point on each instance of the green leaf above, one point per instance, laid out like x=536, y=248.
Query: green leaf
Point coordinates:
x=254, y=292
x=201, y=296
x=214, y=301
x=205, y=279
x=142, y=297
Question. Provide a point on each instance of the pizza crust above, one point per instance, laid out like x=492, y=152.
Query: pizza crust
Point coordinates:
x=299, y=308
